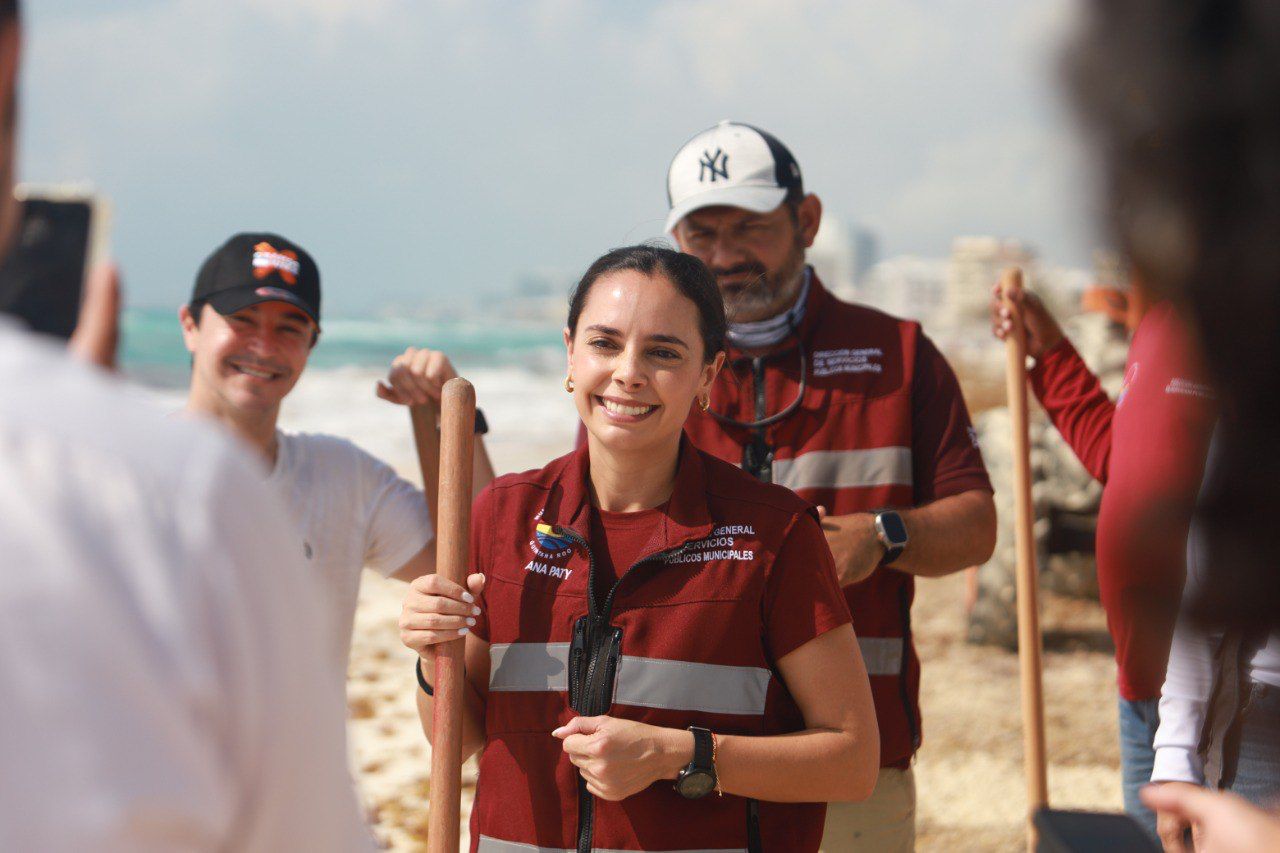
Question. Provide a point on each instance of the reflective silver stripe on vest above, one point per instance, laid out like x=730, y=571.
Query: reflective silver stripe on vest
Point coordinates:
x=845, y=469
x=882, y=655
x=493, y=845
x=671, y=684
x=529, y=666
x=683, y=686
x=648, y=682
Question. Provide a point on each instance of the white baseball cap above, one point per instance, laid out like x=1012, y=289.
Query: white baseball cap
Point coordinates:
x=730, y=164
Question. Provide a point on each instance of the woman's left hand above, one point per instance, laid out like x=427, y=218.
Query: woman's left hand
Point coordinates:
x=618, y=758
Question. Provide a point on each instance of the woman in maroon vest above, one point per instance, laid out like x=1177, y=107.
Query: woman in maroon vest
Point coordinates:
x=658, y=653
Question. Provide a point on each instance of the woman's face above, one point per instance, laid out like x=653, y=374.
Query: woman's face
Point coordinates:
x=636, y=361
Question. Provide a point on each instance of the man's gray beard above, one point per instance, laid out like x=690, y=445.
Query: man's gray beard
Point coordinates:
x=769, y=296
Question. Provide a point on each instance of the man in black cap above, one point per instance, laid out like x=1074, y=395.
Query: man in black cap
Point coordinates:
x=253, y=319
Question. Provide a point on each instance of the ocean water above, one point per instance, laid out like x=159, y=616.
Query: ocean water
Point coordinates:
x=517, y=369
x=152, y=351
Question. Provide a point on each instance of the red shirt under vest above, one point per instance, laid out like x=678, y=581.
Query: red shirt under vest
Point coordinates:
x=736, y=575
x=880, y=423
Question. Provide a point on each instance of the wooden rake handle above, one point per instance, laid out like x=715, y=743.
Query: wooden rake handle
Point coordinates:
x=453, y=533
x=1029, y=642
x=426, y=438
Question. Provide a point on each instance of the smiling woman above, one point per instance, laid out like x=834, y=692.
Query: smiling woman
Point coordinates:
x=645, y=338
x=673, y=623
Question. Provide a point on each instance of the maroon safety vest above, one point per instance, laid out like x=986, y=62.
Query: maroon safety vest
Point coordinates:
x=847, y=446
x=680, y=641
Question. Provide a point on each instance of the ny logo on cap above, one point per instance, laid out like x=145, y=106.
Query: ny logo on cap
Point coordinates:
x=267, y=260
x=717, y=164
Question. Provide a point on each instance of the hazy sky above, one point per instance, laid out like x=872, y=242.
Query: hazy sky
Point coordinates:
x=423, y=149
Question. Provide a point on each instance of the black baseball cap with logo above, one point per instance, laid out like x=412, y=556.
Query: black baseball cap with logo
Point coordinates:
x=251, y=268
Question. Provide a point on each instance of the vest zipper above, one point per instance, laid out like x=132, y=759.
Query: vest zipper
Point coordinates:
x=596, y=686
x=760, y=441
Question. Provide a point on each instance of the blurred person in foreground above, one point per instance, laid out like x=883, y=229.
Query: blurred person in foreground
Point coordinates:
x=251, y=324
x=159, y=691
x=856, y=411
x=1147, y=449
x=1180, y=103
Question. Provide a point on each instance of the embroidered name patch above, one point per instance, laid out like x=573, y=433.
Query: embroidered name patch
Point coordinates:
x=722, y=544
x=829, y=362
x=558, y=572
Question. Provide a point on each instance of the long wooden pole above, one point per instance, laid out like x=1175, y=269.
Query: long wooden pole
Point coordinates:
x=457, y=437
x=426, y=437
x=1029, y=645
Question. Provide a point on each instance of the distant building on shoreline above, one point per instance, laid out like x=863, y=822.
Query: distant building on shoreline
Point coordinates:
x=951, y=296
x=540, y=296
x=975, y=266
x=906, y=286
x=842, y=255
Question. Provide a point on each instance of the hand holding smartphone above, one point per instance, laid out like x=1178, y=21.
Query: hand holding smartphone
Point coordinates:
x=61, y=238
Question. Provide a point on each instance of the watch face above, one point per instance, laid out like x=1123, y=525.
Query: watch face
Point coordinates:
x=695, y=784
x=894, y=530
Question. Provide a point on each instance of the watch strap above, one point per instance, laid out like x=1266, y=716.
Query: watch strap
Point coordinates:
x=891, y=553
x=703, y=747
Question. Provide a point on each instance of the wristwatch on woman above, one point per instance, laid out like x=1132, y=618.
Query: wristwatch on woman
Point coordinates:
x=698, y=778
x=892, y=533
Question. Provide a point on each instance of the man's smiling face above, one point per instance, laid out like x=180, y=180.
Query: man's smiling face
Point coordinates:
x=247, y=361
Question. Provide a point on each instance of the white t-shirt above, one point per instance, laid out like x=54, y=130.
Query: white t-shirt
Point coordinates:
x=352, y=511
x=158, y=689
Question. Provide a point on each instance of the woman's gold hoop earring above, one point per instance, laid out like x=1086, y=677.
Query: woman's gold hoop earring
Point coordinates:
x=568, y=384
x=704, y=403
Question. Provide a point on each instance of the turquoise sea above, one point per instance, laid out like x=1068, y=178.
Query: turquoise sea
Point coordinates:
x=152, y=352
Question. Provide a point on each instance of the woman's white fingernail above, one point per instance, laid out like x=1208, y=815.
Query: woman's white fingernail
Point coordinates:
x=462, y=632
x=468, y=598
x=470, y=621
x=475, y=611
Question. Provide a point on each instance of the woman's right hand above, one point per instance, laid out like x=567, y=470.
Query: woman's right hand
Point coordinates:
x=437, y=610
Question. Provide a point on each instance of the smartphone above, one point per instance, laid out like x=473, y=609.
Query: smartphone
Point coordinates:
x=1090, y=832
x=61, y=235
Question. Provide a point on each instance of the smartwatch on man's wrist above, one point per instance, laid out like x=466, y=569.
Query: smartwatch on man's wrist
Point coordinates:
x=892, y=533
x=698, y=778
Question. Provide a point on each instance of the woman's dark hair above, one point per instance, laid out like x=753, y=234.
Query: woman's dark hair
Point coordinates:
x=1181, y=103
x=690, y=276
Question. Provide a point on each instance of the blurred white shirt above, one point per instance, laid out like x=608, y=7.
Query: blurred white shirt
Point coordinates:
x=351, y=510
x=159, y=688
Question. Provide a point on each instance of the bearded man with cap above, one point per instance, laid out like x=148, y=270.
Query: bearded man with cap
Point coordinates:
x=855, y=410
x=251, y=323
